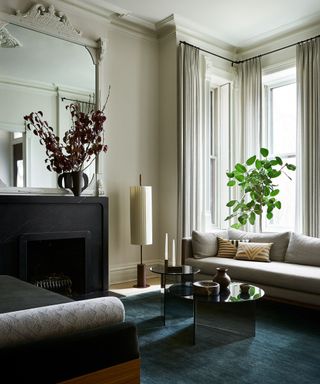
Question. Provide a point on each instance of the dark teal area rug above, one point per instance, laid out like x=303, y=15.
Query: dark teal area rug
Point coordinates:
x=286, y=348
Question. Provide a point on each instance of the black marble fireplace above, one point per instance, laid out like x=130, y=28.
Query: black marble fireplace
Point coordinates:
x=50, y=237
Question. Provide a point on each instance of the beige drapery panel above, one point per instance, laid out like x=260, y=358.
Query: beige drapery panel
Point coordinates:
x=246, y=139
x=189, y=141
x=308, y=137
x=246, y=133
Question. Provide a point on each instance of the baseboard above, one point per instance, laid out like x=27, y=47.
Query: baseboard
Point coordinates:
x=125, y=273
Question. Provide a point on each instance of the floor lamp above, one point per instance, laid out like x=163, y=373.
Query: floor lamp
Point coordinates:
x=141, y=225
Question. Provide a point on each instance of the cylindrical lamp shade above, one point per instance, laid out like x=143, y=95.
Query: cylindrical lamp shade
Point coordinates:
x=141, y=215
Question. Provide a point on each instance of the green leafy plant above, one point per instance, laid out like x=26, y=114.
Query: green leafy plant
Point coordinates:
x=259, y=192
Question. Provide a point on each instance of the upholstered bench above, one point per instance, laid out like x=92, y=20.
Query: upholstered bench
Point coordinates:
x=49, y=338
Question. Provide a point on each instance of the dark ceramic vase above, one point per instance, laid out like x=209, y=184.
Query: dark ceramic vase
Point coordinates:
x=75, y=181
x=222, y=278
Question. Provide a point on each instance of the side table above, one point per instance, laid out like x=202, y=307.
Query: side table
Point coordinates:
x=174, y=276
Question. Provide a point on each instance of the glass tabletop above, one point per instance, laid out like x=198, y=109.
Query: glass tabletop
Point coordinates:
x=230, y=295
x=174, y=270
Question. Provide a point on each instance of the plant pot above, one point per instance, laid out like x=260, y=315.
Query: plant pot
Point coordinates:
x=222, y=278
x=75, y=181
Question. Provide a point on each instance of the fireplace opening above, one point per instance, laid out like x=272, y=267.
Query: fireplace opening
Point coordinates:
x=56, y=261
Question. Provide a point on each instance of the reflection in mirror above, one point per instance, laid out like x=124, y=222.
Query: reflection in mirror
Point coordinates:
x=43, y=74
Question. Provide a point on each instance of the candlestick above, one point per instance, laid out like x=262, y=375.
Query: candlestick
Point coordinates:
x=166, y=247
x=173, y=252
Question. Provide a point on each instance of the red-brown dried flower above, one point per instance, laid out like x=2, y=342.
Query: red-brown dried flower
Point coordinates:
x=79, y=145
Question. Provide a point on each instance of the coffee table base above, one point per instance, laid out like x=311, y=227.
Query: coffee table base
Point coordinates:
x=238, y=319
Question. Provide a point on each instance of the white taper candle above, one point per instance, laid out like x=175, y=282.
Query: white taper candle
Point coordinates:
x=173, y=252
x=166, y=247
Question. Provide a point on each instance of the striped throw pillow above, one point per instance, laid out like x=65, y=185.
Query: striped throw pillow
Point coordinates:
x=226, y=248
x=253, y=251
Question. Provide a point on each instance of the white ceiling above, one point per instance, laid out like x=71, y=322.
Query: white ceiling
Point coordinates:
x=236, y=22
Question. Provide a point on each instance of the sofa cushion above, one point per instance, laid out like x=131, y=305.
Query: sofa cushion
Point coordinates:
x=254, y=251
x=226, y=248
x=280, y=241
x=300, y=278
x=34, y=324
x=303, y=250
x=204, y=244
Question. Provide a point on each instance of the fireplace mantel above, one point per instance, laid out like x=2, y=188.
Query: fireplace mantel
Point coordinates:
x=28, y=217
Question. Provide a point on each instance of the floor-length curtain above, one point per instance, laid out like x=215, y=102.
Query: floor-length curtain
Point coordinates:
x=189, y=141
x=245, y=138
x=308, y=137
x=248, y=94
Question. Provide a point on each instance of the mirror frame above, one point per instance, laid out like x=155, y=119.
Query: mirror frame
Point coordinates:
x=49, y=21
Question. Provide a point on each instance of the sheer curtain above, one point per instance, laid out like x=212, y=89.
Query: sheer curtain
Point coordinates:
x=246, y=132
x=189, y=142
x=308, y=137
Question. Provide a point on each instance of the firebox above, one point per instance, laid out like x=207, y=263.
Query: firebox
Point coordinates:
x=57, y=261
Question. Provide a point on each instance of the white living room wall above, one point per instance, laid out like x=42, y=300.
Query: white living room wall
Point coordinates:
x=133, y=139
x=141, y=128
x=168, y=120
x=131, y=69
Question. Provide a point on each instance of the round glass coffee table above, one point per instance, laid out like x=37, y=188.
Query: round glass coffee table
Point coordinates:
x=178, y=277
x=230, y=311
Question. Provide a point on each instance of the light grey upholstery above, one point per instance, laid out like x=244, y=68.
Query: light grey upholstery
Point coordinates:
x=59, y=319
x=291, y=276
x=204, y=244
x=296, y=278
x=303, y=250
x=280, y=241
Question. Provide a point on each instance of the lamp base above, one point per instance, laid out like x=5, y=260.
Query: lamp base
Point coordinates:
x=141, y=276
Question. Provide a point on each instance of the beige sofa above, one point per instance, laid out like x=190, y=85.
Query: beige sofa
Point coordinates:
x=293, y=273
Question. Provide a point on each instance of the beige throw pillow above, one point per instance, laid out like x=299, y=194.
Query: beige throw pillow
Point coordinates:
x=253, y=252
x=226, y=248
x=280, y=241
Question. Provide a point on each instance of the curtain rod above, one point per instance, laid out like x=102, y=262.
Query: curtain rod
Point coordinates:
x=250, y=58
x=77, y=101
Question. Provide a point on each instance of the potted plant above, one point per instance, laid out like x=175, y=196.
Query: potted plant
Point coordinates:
x=78, y=148
x=259, y=193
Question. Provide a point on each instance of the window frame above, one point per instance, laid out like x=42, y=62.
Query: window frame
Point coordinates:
x=219, y=103
x=268, y=133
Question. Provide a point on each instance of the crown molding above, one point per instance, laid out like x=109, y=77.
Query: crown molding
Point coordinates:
x=137, y=21
x=279, y=40
x=122, y=19
x=282, y=31
x=188, y=28
x=92, y=8
x=166, y=26
x=184, y=30
x=130, y=25
x=116, y=16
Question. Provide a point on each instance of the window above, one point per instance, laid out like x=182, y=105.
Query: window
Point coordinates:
x=18, y=170
x=280, y=133
x=216, y=156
